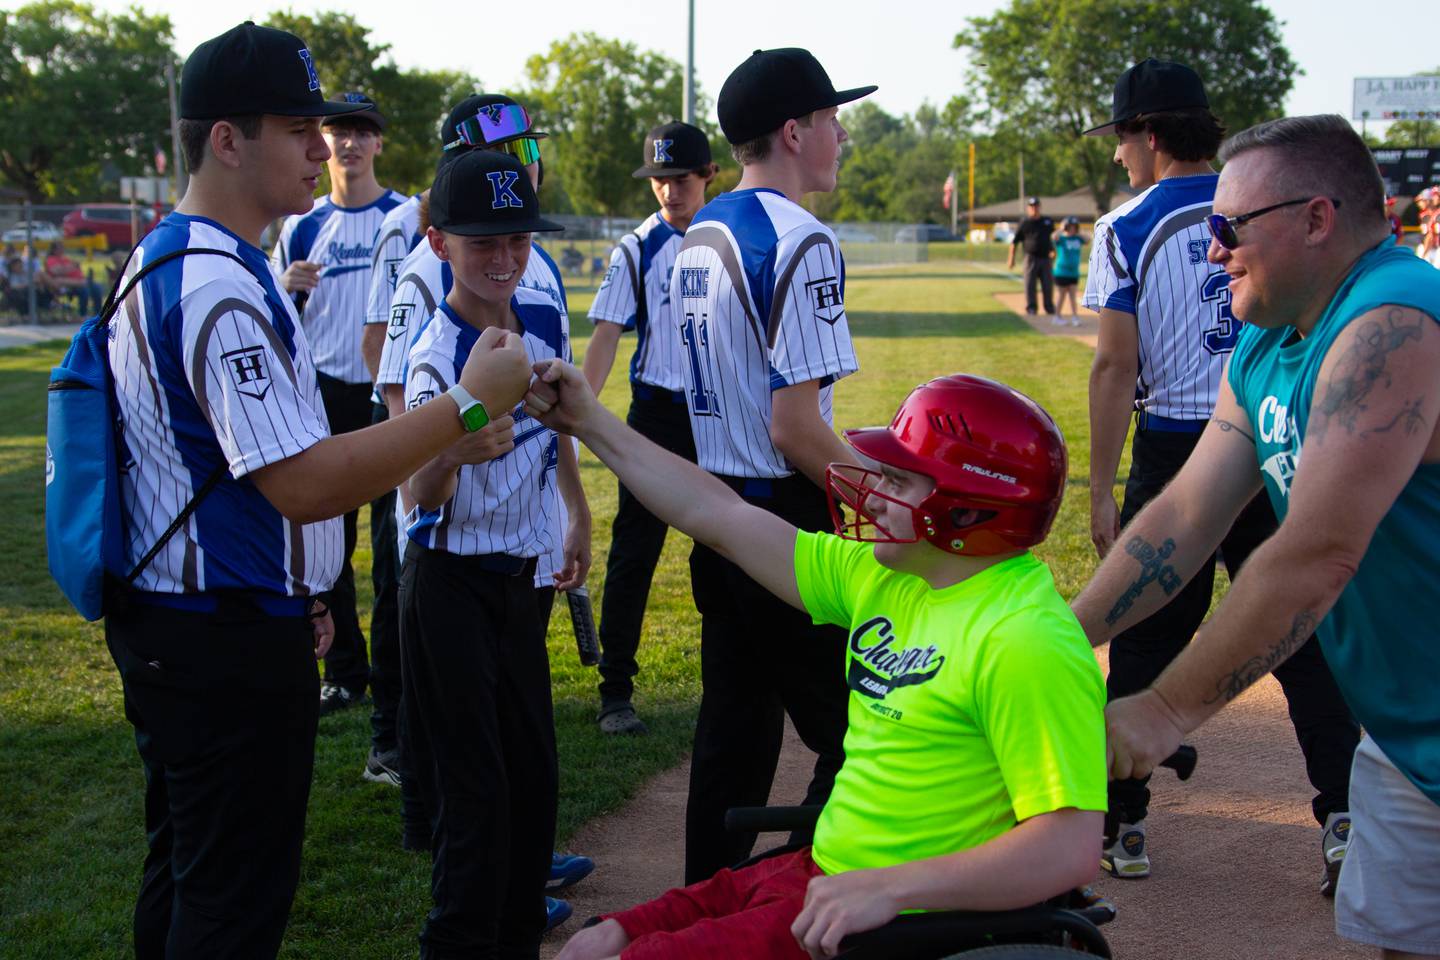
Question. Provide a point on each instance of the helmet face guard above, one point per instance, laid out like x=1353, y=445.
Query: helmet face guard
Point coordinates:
x=854, y=488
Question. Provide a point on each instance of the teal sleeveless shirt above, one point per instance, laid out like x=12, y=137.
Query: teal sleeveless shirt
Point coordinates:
x=1382, y=639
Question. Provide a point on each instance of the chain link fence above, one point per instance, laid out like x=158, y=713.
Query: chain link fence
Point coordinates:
x=59, y=261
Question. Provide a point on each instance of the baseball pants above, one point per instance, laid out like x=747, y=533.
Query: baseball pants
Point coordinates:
x=348, y=407
x=1323, y=724
x=760, y=659
x=637, y=537
x=384, y=617
x=482, y=747
x=1039, y=270
x=225, y=707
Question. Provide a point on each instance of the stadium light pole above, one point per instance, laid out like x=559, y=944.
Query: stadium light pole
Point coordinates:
x=689, y=106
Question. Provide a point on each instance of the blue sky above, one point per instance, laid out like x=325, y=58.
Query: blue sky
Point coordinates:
x=905, y=49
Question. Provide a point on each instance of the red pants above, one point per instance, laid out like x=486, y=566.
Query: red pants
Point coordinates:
x=745, y=913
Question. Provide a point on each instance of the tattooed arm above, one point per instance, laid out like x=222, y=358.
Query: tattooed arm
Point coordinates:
x=1372, y=421
x=1163, y=547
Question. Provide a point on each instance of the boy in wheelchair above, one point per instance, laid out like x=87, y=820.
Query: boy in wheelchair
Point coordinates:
x=975, y=769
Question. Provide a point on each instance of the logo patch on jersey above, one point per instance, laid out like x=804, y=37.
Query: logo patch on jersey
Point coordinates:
x=609, y=275
x=826, y=299
x=248, y=371
x=502, y=189
x=695, y=282
x=399, y=320
x=421, y=398
x=309, y=62
x=662, y=152
x=878, y=666
x=392, y=272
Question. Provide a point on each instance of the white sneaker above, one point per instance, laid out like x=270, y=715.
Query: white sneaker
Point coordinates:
x=1074, y=321
x=1055, y=319
x=1334, y=841
x=1126, y=857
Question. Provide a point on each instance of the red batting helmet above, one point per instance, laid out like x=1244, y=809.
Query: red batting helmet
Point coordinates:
x=997, y=459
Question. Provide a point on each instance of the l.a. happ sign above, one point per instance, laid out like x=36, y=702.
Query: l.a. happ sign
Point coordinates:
x=1397, y=98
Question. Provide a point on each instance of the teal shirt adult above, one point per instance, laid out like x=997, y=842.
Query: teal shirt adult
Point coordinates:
x=1067, y=255
x=1381, y=638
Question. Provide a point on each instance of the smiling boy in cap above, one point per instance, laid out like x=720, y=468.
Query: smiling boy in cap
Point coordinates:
x=758, y=304
x=635, y=295
x=215, y=382
x=476, y=675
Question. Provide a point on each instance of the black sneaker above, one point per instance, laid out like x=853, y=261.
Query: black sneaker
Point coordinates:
x=334, y=698
x=383, y=767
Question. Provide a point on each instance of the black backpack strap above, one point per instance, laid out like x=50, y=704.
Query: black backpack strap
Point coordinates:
x=112, y=304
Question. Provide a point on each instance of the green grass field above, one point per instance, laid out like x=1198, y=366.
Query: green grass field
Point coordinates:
x=70, y=807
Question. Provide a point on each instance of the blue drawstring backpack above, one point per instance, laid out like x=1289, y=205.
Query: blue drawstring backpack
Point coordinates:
x=84, y=523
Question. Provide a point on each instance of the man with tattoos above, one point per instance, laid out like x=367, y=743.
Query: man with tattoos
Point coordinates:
x=1339, y=360
x=1166, y=329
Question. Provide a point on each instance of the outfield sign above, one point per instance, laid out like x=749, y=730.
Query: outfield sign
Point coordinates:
x=1407, y=171
x=1397, y=98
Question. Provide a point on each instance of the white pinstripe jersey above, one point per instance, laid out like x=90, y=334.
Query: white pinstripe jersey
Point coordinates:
x=641, y=264
x=511, y=504
x=342, y=241
x=211, y=367
x=424, y=281
x=398, y=234
x=761, y=306
x=1148, y=260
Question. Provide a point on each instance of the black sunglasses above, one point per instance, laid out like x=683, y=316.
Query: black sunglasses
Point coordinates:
x=1222, y=228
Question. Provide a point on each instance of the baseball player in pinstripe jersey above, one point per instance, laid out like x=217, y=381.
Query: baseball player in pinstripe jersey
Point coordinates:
x=405, y=288
x=758, y=303
x=635, y=295
x=214, y=378
x=323, y=258
x=1166, y=331
x=477, y=678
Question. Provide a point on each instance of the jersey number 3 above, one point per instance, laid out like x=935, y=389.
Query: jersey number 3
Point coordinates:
x=1222, y=336
x=697, y=338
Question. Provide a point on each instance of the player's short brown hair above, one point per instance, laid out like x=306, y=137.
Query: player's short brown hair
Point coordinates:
x=424, y=222
x=1189, y=136
x=758, y=150
x=1323, y=154
x=195, y=135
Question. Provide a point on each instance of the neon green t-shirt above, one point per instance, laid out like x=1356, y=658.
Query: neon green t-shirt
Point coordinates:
x=971, y=708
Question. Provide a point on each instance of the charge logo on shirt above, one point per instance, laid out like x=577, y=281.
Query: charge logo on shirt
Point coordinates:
x=878, y=667
x=825, y=299
x=399, y=320
x=695, y=282
x=248, y=371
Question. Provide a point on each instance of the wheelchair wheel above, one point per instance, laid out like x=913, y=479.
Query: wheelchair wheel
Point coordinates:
x=1019, y=951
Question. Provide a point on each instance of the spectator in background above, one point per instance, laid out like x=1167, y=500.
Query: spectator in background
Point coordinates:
x=1395, y=226
x=22, y=270
x=1033, y=235
x=1068, y=244
x=1426, y=219
x=70, y=278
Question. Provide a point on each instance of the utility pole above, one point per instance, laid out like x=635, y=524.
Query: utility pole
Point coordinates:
x=970, y=211
x=180, y=175
x=1022, y=186
x=690, y=68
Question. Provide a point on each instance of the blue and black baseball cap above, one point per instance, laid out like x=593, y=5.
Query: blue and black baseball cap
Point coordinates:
x=486, y=193
x=255, y=70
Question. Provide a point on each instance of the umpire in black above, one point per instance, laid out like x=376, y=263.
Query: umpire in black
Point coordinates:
x=1035, y=236
x=216, y=642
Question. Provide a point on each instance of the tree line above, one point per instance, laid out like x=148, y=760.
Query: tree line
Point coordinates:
x=84, y=99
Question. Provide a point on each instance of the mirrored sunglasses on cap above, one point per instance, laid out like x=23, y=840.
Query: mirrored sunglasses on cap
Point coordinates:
x=493, y=125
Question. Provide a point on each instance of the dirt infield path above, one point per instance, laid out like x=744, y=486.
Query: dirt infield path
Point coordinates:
x=1235, y=850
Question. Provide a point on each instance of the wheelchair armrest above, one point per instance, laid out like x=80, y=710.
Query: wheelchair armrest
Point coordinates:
x=935, y=934
x=771, y=819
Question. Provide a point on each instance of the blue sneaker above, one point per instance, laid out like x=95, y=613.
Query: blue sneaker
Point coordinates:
x=567, y=869
x=556, y=913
